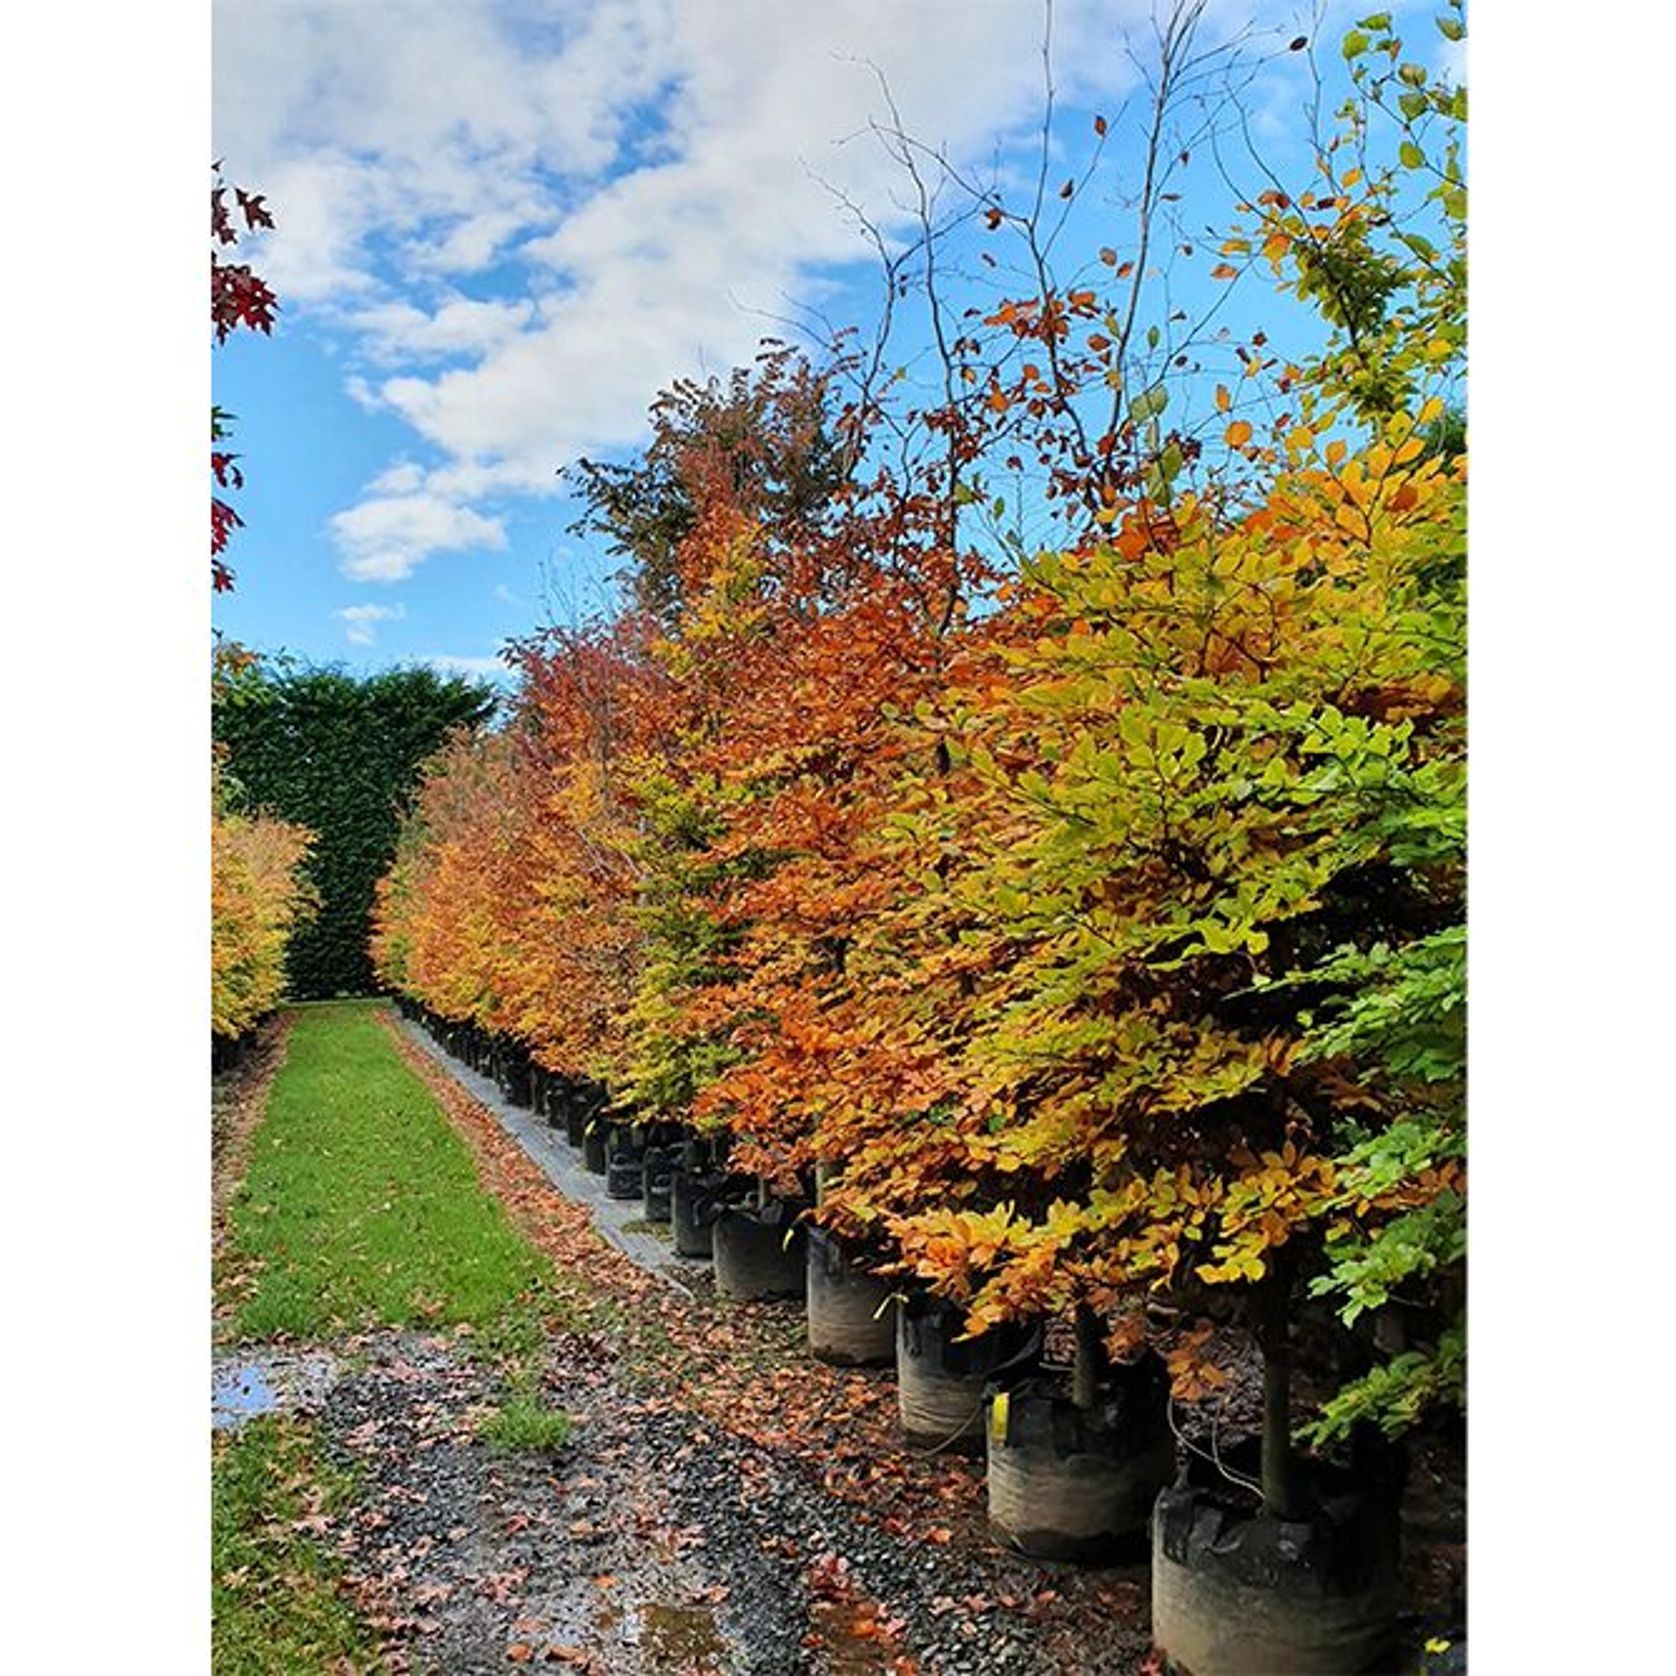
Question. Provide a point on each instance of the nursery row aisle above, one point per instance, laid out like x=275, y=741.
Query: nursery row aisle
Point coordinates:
x=460, y=1431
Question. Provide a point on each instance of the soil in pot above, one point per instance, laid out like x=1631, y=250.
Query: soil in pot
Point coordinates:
x=760, y=1253
x=1069, y=1483
x=656, y=1171
x=692, y=1203
x=1236, y=1590
x=940, y=1377
x=851, y=1314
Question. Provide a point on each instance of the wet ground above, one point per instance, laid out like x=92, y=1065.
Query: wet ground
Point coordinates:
x=246, y=1383
x=652, y=1541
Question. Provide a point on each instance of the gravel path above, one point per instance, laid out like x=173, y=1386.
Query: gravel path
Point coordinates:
x=653, y=1541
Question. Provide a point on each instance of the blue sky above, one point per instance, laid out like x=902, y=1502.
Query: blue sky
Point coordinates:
x=504, y=225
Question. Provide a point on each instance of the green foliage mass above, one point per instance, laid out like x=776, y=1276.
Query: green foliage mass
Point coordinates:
x=339, y=755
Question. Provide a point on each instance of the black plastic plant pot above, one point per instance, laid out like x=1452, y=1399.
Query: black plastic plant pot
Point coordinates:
x=554, y=1100
x=760, y=1254
x=576, y=1120
x=623, y=1154
x=657, y=1170
x=1067, y=1483
x=691, y=1198
x=851, y=1314
x=940, y=1377
x=538, y=1091
x=515, y=1077
x=1235, y=1590
x=593, y=1147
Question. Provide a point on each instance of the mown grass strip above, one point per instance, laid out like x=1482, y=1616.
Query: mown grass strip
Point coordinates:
x=361, y=1206
x=277, y=1596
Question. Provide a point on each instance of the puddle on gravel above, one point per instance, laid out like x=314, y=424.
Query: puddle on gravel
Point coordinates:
x=854, y=1639
x=243, y=1387
x=674, y=1638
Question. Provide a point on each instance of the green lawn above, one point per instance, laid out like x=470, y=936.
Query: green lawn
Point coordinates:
x=361, y=1206
x=279, y=1608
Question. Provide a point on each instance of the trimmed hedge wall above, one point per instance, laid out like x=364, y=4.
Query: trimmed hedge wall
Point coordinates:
x=340, y=754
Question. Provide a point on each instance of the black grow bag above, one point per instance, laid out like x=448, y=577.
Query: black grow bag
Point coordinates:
x=556, y=1102
x=624, y=1150
x=657, y=1169
x=1235, y=1590
x=593, y=1146
x=577, y=1117
x=514, y=1076
x=760, y=1253
x=940, y=1376
x=692, y=1209
x=851, y=1314
x=1079, y=1484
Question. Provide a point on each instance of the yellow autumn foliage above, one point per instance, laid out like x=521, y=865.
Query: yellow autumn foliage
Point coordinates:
x=258, y=895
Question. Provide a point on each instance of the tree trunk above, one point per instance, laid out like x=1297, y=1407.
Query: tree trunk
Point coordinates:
x=1274, y=1338
x=1090, y=1362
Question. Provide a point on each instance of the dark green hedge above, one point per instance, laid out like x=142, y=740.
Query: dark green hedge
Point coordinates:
x=340, y=754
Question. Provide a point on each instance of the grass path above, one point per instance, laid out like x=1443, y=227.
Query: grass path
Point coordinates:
x=360, y=1207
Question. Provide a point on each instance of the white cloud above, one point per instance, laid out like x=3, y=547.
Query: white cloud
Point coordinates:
x=448, y=664
x=401, y=478
x=647, y=168
x=387, y=537
x=363, y=618
x=398, y=331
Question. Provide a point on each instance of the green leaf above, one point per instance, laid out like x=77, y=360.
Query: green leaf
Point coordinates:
x=1149, y=403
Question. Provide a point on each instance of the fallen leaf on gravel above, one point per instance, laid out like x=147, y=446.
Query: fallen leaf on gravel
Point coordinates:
x=520, y=1652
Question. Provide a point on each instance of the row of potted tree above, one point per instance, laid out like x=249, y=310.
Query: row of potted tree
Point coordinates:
x=1067, y=939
